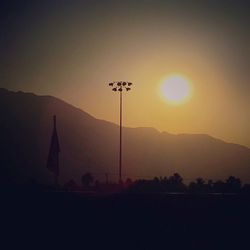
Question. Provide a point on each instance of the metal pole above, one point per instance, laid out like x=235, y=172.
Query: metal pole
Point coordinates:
x=120, y=87
x=120, y=158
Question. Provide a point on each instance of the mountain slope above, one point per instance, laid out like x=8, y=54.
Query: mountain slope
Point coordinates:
x=89, y=144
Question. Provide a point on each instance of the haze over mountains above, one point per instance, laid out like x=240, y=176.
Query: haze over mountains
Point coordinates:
x=90, y=144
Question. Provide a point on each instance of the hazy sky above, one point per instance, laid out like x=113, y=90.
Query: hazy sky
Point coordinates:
x=72, y=49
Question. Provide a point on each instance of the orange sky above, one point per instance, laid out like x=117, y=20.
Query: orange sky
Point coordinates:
x=72, y=52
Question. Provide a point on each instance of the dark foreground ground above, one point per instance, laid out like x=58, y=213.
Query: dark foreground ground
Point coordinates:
x=52, y=220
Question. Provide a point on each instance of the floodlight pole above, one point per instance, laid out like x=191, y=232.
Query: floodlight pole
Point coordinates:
x=120, y=155
x=120, y=86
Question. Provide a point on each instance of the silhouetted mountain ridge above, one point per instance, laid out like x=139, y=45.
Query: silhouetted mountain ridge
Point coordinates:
x=90, y=144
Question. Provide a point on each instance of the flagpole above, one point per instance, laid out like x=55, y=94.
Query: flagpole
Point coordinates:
x=53, y=157
x=57, y=157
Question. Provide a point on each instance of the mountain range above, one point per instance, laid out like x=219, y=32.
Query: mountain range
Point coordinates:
x=90, y=144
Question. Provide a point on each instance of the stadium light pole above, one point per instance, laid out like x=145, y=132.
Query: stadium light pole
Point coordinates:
x=120, y=87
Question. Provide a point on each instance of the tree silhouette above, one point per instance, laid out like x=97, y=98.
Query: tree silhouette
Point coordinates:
x=175, y=179
x=219, y=186
x=210, y=183
x=71, y=185
x=199, y=186
x=128, y=182
x=175, y=183
x=200, y=181
x=87, y=179
x=233, y=184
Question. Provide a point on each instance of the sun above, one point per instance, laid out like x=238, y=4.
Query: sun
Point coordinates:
x=175, y=89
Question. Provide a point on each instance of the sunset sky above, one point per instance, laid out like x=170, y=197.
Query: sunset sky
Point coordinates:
x=73, y=49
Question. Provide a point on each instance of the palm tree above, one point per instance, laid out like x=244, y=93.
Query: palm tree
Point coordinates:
x=175, y=183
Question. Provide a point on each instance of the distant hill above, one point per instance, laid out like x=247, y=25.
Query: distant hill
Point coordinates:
x=90, y=144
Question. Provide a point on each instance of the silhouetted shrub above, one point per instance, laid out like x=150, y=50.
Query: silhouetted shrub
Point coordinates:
x=71, y=185
x=87, y=179
x=233, y=184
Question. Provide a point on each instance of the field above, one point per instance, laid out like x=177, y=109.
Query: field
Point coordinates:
x=134, y=221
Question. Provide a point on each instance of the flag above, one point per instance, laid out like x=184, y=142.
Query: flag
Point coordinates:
x=53, y=157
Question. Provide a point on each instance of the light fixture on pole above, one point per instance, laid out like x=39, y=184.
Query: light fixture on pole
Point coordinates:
x=120, y=87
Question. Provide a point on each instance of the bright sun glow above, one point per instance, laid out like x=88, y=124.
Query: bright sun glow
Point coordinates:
x=175, y=89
